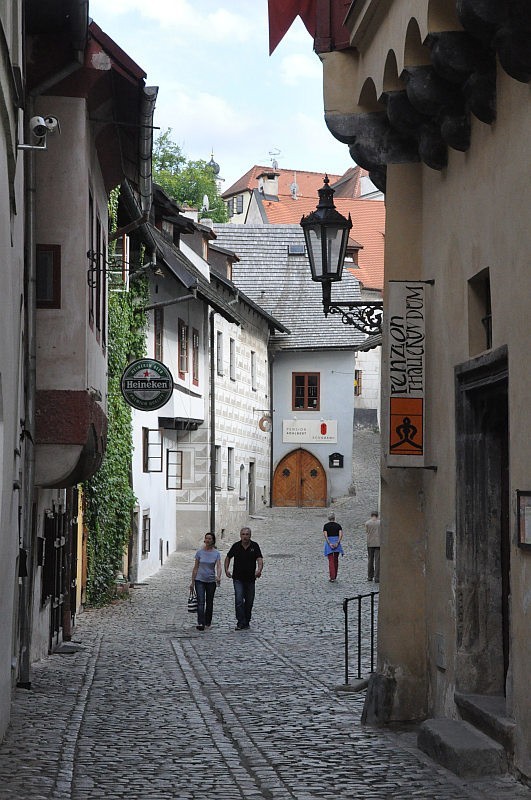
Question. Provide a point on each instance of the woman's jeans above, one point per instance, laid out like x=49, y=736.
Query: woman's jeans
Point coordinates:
x=205, y=601
x=243, y=601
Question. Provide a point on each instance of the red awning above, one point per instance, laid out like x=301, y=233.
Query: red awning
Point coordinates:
x=282, y=14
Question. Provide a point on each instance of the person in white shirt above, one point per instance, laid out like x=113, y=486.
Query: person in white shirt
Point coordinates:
x=372, y=529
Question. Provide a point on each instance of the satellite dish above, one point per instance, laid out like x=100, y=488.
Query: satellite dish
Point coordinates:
x=206, y=203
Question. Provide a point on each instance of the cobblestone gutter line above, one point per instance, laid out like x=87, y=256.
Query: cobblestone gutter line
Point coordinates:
x=244, y=759
x=62, y=789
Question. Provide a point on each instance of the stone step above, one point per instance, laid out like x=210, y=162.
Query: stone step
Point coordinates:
x=461, y=748
x=488, y=713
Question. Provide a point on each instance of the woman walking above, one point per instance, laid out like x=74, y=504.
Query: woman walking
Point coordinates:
x=333, y=534
x=206, y=575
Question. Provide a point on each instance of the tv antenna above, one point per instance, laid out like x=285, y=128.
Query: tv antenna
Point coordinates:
x=274, y=153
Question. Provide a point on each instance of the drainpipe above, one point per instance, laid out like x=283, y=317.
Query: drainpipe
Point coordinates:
x=271, y=471
x=145, y=178
x=79, y=26
x=212, y=427
x=26, y=587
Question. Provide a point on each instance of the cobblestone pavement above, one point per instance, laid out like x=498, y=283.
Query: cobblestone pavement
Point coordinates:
x=150, y=709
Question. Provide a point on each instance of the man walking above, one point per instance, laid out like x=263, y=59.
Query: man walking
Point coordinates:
x=248, y=565
x=372, y=529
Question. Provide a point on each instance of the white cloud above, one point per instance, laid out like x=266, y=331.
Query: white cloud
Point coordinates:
x=183, y=19
x=297, y=67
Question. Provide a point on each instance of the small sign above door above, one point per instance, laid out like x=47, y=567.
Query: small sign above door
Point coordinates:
x=307, y=431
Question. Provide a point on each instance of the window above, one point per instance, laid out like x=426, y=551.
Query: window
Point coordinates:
x=219, y=352
x=253, y=371
x=479, y=313
x=232, y=360
x=151, y=450
x=146, y=534
x=242, y=492
x=158, y=330
x=296, y=249
x=357, y=382
x=305, y=391
x=174, y=469
x=230, y=207
x=119, y=266
x=195, y=356
x=183, y=348
x=217, y=467
x=230, y=468
x=239, y=204
x=100, y=273
x=48, y=268
x=94, y=261
x=104, y=300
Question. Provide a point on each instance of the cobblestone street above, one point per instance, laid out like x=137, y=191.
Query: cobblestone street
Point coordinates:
x=148, y=707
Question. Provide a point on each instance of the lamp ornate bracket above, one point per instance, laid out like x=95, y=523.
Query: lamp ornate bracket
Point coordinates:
x=366, y=317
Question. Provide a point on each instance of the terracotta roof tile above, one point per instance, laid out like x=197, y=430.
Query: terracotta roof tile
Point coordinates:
x=368, y=229
x=308, y=182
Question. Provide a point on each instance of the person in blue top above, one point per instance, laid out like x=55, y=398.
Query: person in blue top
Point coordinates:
x=333, y=534
x=206, y=575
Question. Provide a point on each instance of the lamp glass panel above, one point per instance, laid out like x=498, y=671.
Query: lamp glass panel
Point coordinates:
x=334, y=241
x=315, y=251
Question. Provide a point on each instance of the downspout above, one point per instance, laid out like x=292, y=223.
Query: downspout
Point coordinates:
x=212, y=427
x=145, y=153
x=30, y=350
x=272, y=438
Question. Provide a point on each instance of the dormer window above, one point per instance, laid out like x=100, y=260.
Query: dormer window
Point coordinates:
x=167, y=229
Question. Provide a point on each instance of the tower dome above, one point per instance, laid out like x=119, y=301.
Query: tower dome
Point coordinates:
x=213, y=165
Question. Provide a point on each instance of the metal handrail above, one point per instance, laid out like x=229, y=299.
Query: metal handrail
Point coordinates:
x=346, y=601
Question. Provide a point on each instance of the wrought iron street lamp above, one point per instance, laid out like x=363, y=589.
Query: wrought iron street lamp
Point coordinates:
x=326, y=233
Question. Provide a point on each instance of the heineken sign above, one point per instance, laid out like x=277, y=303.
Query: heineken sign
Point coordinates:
x=147, y=384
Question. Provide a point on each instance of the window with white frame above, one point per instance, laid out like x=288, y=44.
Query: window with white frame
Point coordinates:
x=230, y=468
x=217, y=467
x=219, y=352
x=253, y=371
x=242, y=491
x=151, y=450
x=232, y=360
x=174, y=469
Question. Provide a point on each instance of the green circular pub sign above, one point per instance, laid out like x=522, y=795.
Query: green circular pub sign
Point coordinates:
x=146, y=384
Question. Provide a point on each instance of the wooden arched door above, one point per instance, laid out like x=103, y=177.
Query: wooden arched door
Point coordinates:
x=300, y=480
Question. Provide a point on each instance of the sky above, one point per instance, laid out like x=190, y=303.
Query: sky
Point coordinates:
x=220, y=91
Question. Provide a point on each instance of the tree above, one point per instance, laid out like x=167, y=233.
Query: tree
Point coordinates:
x=187, y=182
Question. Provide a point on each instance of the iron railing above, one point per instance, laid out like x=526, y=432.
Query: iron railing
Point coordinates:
x=360, y=619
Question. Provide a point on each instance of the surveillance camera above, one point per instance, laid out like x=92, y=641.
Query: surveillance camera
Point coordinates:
x=38, y=127
x=52, y=124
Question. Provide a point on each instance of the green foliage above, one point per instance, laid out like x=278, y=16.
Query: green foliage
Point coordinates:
x=109, y=498
x=186, y=181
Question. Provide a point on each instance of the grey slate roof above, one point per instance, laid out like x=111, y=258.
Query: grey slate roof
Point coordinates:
x=191, y=278
x=281, y=284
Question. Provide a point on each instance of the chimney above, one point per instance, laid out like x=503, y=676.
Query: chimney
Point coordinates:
x=268, y=182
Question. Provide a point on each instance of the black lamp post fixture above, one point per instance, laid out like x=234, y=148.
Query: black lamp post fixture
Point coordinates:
x=326, y=233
